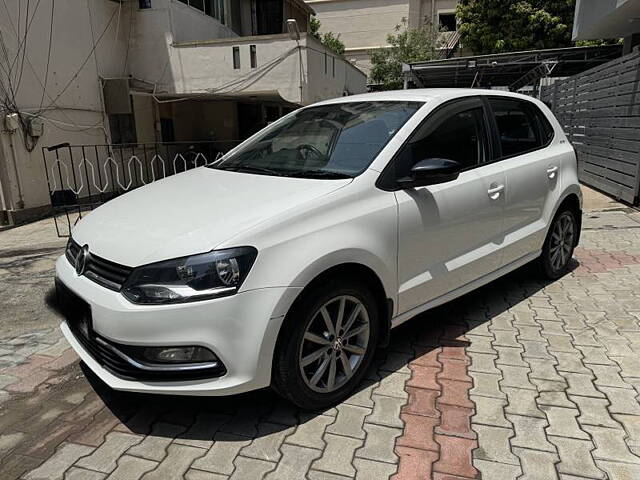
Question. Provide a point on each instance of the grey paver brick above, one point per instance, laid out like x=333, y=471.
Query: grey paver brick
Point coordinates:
x=480, y=344
x=320, y=475
x=570, y=362
x=556, y=399
x=491, y=470
x=563, y=423
x=595, y=355
x=533, y=349
x=620, y=471
x=349, y=421
x=631, y=424
x=251, y=468
x=515, y=377
x=55, y=466
x=397, y=362
x=494, y=445
x=483, y=363
x=77, y=473
x=369, y=469
x=219, y=458
x=310, y=432
x=544, y=369
x=392, y=385
x=537, y=465
x=386, y=411
x=362, y=395
x=178, y=460
x=558, y=343
x=201, y=433
x=610, y=445
x=505, y=338
x=194, y=474
x=510, y=356
x=154, y=446
x=575, y=457
x=490, y=411
x=486, y=385
x=530, y=433
x=267, y=445
x=608, y=376
x=294, y=464
x=522, y=402
x=623, y=400
x=105, y=457
x=593, y=411
x=132, y=468
x=379, y=444
x=338, y=455
x=581, y=384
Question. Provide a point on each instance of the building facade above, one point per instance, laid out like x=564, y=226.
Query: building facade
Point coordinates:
x=147, y=72
x=363, y=25
x=596, y=19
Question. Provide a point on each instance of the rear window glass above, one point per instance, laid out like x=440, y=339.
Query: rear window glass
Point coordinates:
x=517, y=128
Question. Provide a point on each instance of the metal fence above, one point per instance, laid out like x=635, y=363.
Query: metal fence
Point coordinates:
x=82, y=177
x=600, y=113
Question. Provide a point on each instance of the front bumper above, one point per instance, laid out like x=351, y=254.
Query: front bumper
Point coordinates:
x=241, y=330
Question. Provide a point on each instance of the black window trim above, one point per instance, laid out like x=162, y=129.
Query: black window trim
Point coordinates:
x=387, y=179
x=536, y=124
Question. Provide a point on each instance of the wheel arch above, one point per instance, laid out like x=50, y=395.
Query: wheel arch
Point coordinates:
x=572, y=201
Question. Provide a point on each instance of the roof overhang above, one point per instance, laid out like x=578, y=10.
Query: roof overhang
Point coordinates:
x=509, y=69
x=595, y=19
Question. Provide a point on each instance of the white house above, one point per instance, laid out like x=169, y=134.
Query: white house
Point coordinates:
x=148, y=72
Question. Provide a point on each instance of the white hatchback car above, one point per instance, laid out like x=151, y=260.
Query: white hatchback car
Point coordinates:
x=290, y=260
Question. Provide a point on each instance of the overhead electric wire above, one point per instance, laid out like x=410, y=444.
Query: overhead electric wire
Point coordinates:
x=46, y=72
x=82, y=65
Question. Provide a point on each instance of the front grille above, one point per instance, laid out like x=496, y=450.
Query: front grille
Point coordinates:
x=109, y=274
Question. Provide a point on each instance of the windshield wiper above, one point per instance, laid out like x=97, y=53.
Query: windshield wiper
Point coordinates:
x=328, y=174
x=253, y=169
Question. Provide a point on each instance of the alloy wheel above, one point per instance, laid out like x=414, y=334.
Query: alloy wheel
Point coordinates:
x=334, y=344
x=562, y=240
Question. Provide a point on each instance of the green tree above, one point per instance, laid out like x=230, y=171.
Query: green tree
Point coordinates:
x=328, y=39
x=407, y=45
x=495, y=26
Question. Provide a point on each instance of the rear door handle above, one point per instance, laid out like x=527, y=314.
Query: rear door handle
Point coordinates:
x=494, y=192
x=551, y=171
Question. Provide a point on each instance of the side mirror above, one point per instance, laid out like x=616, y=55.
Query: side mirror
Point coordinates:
x=431, y=171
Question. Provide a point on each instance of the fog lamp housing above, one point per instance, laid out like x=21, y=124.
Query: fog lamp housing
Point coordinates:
x=183, y=354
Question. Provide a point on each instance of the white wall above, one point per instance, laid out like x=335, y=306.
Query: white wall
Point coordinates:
x=72, y=81
x=207, y=67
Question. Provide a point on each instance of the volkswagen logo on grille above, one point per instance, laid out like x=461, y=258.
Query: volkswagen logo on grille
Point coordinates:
x=81, y=260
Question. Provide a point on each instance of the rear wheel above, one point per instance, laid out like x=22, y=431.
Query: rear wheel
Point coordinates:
x=328, y=342
x=559, y=245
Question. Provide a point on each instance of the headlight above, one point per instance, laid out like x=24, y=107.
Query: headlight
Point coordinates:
x=199, y=277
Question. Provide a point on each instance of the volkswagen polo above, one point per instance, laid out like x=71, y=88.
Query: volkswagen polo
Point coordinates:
x=288, y=262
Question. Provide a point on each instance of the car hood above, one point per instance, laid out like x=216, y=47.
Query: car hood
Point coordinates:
x=191, y=213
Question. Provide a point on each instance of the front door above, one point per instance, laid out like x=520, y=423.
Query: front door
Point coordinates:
x=450, y=234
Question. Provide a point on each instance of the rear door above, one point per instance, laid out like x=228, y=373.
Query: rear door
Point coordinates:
x=531, y=166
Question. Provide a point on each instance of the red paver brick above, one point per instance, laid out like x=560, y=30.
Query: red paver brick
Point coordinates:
x=455, y=456
x=424, y=377
x=67, y=358
x=33, y=363
x=414, y=464
x=419, y=432
x=428, y=358
x=455, y=370
x=446, y=476
x=29, y=383
x=455, y=421
x=44, y=446
x=422, y=402
x=453, y=349
x=455, y=393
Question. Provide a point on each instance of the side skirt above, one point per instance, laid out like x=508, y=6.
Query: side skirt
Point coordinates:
x=458, y=292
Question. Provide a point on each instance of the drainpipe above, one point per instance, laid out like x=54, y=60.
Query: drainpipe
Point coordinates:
x=20, y=202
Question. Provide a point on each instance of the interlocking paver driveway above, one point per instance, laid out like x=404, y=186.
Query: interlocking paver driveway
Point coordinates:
x=521, y=379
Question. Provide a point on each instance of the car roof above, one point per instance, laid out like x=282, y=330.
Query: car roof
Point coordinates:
x=423, y=95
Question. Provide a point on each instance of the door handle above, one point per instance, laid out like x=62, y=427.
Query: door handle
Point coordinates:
x=551, y=171
x=494, y=192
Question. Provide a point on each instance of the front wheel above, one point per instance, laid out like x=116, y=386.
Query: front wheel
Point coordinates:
x=559, y=245
x=328, y=341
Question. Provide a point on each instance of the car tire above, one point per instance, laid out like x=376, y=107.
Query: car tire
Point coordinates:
x=559, y=245
x=306, y=380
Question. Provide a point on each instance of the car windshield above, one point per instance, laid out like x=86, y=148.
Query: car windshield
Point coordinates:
x=329, y=141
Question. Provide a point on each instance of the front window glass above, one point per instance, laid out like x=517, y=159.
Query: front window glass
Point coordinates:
x=329, y=141
x=515, y=126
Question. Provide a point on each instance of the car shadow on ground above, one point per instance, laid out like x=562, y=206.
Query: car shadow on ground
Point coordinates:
x=256, y=414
